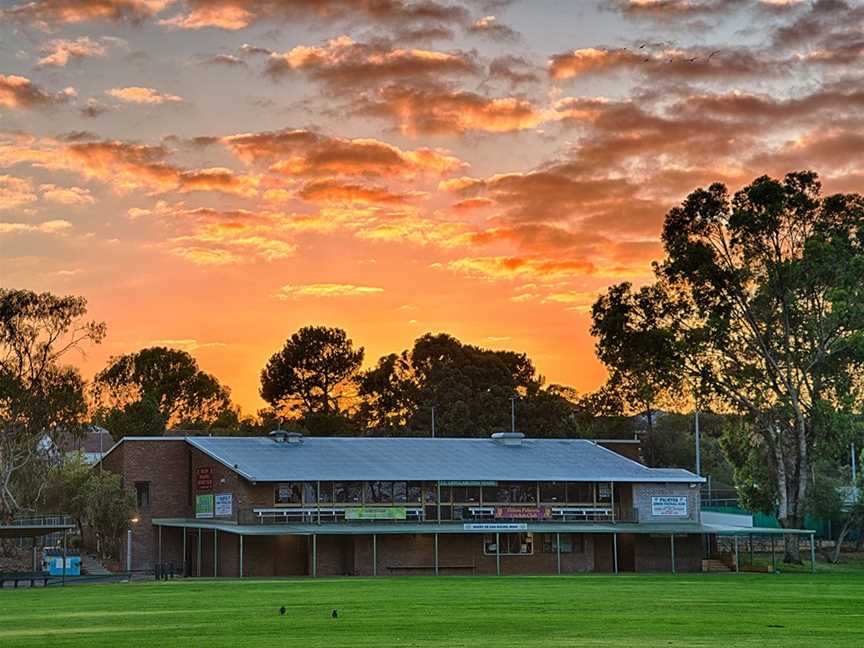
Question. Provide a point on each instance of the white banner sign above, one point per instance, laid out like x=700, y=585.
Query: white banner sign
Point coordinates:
x=495, y=526
x=669, y=506
x=224, y=504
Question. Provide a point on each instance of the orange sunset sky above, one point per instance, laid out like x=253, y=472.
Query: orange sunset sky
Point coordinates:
x=212, y=175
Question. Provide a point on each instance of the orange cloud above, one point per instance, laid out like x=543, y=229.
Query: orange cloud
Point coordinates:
x=332, y=191
x=139, y=95
x=438, y=110
x=66, y=195
x=306, y=153
x=237, y=14
x=21, y=92
x=342, y=62
x=219, y=179
x=326, y=290
x=46, y=13
x=58, y=52
x=489, y=27
x=46, y=227
x=15, y=192
x=500, y=267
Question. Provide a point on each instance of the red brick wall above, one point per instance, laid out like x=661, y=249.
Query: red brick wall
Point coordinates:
x=164, y=463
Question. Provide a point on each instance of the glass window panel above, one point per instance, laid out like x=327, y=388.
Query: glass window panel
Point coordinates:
x=446, y=494
x=379, y=492
x=413, y=492
x=400, y=493
x=325, y=493
x=348, y=492
x=580, y=492
x=604, y=492
x=553, y=492
x=512, y=544
x=466, y=494
x=310, y=495
x=430, y=492
x=289, y=493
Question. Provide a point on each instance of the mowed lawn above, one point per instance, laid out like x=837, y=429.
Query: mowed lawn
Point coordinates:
x=717, y=610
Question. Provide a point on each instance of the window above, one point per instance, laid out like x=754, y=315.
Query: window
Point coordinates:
x=348, y=492
x=379, y=492
x=325, y=493
x=430, y=493
x=466, y=494
x=289, y=493
x=310, y=495
x=512, y=544
x=553, y=492
x=570, y=543
x=580, y=492
x=142, y=495
x=414, y=492
x=400, y=492
x=511, y=493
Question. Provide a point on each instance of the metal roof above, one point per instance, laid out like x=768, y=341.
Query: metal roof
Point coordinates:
x=428, y=459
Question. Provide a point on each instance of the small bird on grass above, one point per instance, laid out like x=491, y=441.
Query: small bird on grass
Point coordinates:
x=334, y=614
x=282, y=611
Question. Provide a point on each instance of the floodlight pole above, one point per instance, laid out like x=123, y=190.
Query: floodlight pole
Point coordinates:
x=129, y=550
x=433, y=421
x=698, y=445
x=513, y=413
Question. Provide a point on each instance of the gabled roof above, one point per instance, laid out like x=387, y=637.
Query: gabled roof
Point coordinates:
x=428, y=459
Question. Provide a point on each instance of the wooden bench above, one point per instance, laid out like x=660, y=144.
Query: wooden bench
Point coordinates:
x=17, y=577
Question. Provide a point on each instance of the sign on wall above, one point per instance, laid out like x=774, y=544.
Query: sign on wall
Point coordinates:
x=376, y=513
x=495, y=526
x=669, y=506
x=523, y=512
x=204, y=506
x=224, y=504
x=204, y=479
x=466, y=482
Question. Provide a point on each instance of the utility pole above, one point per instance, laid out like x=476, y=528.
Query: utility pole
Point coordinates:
x=854, y=466
x=433, y=420
x=698, y=446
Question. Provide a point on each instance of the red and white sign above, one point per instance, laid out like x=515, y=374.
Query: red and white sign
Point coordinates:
x=204, y=479
x=523, y=512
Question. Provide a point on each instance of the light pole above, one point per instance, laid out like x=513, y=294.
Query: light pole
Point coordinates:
x=129, y=545
x=433, y=420
x=513, y=413
x=698, y=446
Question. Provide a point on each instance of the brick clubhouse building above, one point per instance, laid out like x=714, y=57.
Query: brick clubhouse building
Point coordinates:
x=287, y=505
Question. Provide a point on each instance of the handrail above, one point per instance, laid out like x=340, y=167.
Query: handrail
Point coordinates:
x=41, y=520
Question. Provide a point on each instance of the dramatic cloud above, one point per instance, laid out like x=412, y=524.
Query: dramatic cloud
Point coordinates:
x=491, y=28
x=47, y=13
x=58, y=52
x=66, y=195
x=326, y=290
x=343, y=61
x=520, y=268
x=20, y=92
x=139, y=95
x=237, y=14
x=332, y=191
x=439, y=110
x=677, y=9
x=46, y=227
x=307, y=153
x=15, y=192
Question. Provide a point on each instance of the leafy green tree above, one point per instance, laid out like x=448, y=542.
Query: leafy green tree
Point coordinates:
x=147, y=391
x=640, y=353
x=39, y=395
x=312, y=377
x=470, y=389
x=761, y=298
x=66, y=488
x=109, y=507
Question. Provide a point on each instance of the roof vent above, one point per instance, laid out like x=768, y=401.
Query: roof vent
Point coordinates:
x=509, y=438
x=283, y=436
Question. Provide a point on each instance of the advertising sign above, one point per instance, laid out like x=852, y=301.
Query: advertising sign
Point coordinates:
x=204, y=506
x=495, y=526
x=376, y=513
x=224, y=504
x=204, y=479
x=523, y=512
x=464, y=482
x=669, y=506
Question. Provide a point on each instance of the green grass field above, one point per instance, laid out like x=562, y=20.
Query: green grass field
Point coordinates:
x=717, y=610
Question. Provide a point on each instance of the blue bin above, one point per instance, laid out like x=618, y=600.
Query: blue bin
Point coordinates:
x=55, y=565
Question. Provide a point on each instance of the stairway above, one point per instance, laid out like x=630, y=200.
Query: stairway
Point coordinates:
x=91, y=566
